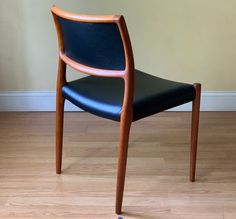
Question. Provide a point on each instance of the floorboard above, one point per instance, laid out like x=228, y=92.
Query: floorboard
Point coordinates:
x=157, y=185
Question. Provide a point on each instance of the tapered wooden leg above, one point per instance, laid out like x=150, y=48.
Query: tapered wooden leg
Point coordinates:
x=194, y=131
x=60, y=100
x=122, y=160
x=59, y=132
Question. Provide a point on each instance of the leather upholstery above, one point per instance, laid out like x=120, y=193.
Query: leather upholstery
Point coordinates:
x=97, y=45
x=104, y=96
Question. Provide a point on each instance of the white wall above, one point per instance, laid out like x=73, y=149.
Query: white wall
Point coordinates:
x=186, y=40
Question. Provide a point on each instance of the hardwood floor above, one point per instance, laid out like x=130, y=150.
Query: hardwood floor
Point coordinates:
x=157, y=183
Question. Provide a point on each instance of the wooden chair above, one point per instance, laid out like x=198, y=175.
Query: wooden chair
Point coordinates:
x=100, y=47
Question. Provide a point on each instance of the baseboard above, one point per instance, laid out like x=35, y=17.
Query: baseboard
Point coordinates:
x=31, y=101
x=45, y=101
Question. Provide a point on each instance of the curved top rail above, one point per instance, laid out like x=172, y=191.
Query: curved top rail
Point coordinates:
x=85, y=18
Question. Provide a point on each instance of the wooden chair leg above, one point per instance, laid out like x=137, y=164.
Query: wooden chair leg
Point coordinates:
x=60, y=100
x=194, y=131
x=59, y=131
x=122, y=160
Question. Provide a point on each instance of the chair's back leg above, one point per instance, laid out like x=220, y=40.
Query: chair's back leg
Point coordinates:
x=60, y=100
x=125, y=124
x=59, y=132
x=194, y=131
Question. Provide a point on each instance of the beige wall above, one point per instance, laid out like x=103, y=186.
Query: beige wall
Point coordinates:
x=187, y=40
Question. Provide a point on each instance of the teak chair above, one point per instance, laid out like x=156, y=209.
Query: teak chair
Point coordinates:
x=100, y=47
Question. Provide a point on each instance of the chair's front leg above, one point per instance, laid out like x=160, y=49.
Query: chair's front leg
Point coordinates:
x=60, y=100
x=59, y=131
x=125, y=124
x=194, y=131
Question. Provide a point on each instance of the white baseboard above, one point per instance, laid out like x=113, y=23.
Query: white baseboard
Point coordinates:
x=45, y=101
x=31, y=101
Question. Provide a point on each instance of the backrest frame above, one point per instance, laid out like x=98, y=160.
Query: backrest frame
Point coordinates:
x=117, y=19
x=127, y=74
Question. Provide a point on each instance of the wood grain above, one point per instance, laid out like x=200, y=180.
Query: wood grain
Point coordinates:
x=157, y=183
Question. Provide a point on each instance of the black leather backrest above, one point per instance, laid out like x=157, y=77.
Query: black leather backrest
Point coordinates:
x=97, y=45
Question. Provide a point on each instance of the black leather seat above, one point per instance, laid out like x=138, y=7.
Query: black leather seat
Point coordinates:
x=104, y=96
